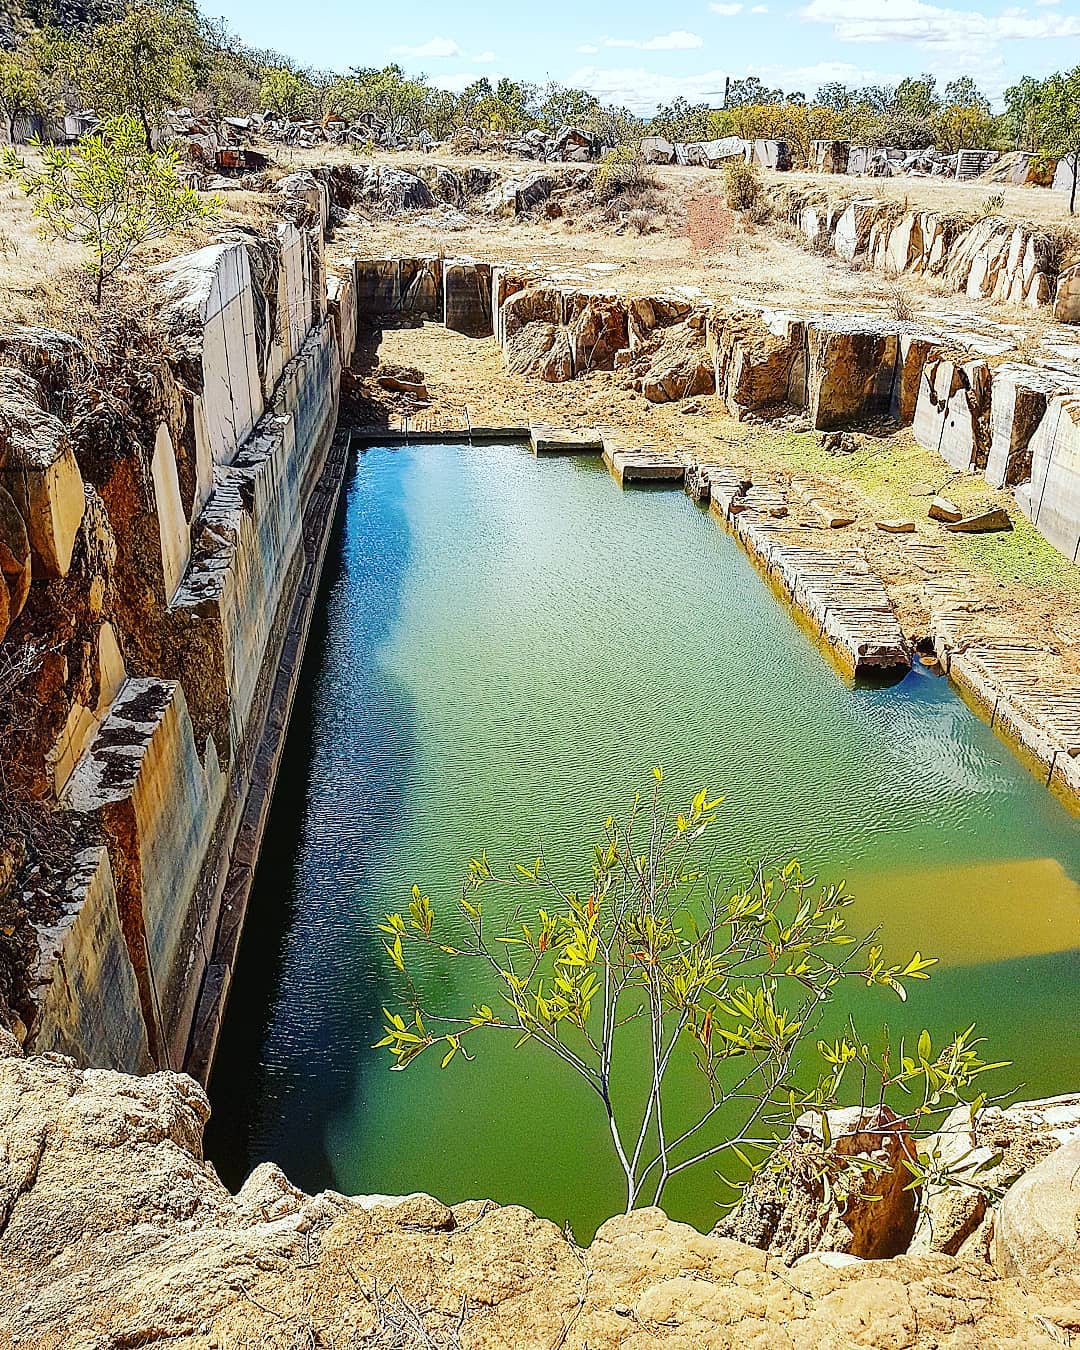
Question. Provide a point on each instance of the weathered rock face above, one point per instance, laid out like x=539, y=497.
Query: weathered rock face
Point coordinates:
x=675, y=365
x=113, y=1231
x=1051, y=499
x=467, y=292
x=170, y=516
x=990, y=258
x=394, y=189
x=985, y=1156
x=870, y=1211
x=39, y=471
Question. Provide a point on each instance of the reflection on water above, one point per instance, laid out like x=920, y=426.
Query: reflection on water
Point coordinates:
x=506, y=647
x=972, y=912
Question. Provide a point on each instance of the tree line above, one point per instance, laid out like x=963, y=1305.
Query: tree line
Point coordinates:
x=150, y=56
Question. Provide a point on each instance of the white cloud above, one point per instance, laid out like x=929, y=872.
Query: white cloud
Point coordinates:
x=641, y=90
x=726, y=11
x=435, y=47
x=678, y=41
x=933, y=25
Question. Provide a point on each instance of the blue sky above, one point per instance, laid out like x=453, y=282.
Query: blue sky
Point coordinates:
x=640, y=54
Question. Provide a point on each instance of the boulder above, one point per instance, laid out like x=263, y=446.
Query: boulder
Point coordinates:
x=1067, y=298
x=39, y=471
x=395, y=189
x=1038, y=1223
x=657, y=150
x=870, y=1211
x=896, y=526
x=519, y=194
x=448, y=187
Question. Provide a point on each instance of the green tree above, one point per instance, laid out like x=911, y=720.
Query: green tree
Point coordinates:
x=562, y=107
x=286, y=93
x=681, y=120
x=965, y=93
x=109, y=194
x=1056, y=122
x=20, y=88
x=141, y=64
x=653, y=959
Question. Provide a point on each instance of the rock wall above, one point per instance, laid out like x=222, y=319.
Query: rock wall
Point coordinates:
x=989, y=258
x=184, y=563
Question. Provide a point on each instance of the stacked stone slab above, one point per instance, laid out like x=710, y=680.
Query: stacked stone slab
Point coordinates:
x=151, y=773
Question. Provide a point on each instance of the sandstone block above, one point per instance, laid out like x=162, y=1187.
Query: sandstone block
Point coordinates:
x=1067, y=297
x=943, y=509
x=849, y=374
x=467, y=291
x=40, y=473
x=1039, y=1219
x=985, y=522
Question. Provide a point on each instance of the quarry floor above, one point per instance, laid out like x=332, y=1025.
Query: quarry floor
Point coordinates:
x=1019, y=585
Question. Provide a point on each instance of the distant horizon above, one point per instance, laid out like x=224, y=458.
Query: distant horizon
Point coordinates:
x=624, y=55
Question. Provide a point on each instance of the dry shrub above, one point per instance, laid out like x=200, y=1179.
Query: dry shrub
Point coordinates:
x=899, y=304
x=640, y=221
x=742, y=184
x=624, y=172
x=761, y=213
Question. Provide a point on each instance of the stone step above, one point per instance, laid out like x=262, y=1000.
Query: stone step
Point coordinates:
x=549, y=440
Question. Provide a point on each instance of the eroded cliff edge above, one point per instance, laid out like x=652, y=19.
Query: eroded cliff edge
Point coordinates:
x=114, y=1232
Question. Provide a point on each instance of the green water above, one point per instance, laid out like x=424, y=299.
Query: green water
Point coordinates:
x=504, y=648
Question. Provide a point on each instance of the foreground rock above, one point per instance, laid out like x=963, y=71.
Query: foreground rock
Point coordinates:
x=114, y=1232
x=852, y=1195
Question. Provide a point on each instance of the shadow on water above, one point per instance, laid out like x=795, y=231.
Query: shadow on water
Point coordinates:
x=338, y=800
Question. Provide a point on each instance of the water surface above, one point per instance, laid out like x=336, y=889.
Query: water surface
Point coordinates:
x=504, y=648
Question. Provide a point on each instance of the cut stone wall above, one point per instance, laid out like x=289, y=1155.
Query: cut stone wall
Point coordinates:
x=993, y=258
x=157, y=771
